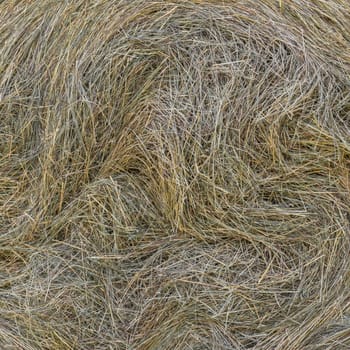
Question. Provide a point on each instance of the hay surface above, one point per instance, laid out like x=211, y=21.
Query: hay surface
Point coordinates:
x=175, y=174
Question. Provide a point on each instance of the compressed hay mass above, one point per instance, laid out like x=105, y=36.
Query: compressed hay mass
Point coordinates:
x=175, y=174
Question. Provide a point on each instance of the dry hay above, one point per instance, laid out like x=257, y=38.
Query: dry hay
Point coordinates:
x=175, y=174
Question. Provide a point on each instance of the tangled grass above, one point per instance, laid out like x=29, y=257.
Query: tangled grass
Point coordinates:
x=175, y=174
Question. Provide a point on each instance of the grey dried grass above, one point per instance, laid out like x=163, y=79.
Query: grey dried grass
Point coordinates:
x=175, y=174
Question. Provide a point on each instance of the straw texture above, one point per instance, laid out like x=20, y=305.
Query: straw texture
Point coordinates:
x=175, y=175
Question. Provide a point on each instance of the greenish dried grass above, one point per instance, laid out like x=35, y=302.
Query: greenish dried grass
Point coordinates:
x=175, y=174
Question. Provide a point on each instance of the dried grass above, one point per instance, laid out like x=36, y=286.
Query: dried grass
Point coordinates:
x=175, y=174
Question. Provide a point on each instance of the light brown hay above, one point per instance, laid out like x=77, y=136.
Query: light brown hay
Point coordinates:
x=175, y=174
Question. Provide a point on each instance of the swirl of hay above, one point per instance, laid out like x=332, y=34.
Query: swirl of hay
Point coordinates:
x=175, y=174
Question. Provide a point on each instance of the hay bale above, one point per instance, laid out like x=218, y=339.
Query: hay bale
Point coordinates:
x=175, y=174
